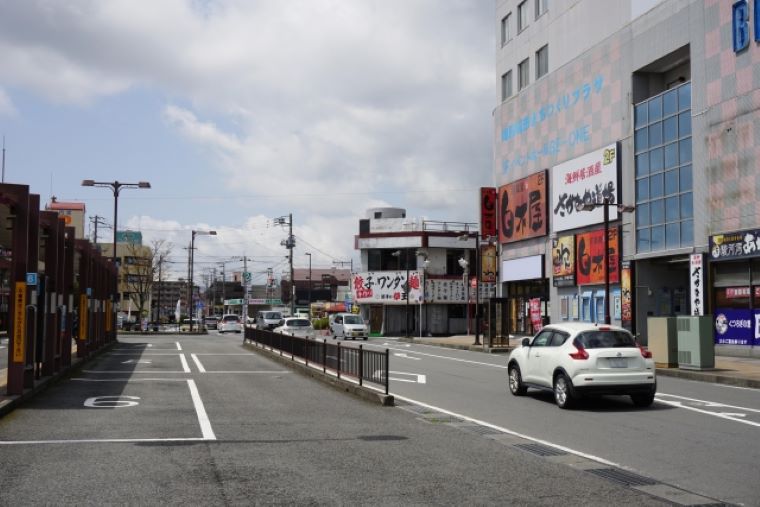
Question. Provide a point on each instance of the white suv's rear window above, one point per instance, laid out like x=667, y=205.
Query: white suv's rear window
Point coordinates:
x=605, y=339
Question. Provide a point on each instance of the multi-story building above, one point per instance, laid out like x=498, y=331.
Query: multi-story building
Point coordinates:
x=652, y=105
x=417, y=276
x=164, y=297
x=135, y=262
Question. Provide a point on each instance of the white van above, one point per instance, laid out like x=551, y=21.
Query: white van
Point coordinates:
x=348, y=325
x=268, y=319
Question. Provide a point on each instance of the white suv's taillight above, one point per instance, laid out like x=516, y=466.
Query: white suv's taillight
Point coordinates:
x=645, y=352
x=580, y=353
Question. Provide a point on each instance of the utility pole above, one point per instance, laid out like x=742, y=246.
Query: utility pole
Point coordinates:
x=289, y=243
x=246, y=285
x=158, y=303
x=349, y=262
x=95, y=221
x=3, y=181
x=224, y=285
x=189, y=303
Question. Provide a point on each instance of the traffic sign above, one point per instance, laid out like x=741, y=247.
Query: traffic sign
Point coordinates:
x=246, y=276
x=31, y=279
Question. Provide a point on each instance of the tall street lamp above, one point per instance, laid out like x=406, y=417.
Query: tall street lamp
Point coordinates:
x=309, y=254
x=465, y=237
x=116, y=187
x=192, y=261
x=621, y=208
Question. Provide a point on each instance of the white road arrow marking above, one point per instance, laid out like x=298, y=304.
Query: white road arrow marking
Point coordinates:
x=402, y=354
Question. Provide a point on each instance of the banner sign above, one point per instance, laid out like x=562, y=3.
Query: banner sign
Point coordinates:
x=563, y=261
x=626, y=296
x=697, y=290
x=590, y=257
x=386, y=287
x=488, y=264
x=523, y=209
x=735, y=327
x=19, y=322
x=592, y=177
x=535, y=314
x=488, y=206
x=735, y=245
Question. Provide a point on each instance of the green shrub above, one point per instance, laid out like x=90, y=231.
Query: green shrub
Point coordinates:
x=320, y=324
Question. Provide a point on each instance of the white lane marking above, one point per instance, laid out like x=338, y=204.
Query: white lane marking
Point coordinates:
x=119, y=372
x=709, y=403
x=129, y=379
x=403, y=354
x=453, y=359
x=198, y=363
x=510, y=432
x=136, y=361
x=255, y=371
x=145, y=354
x=179, y=347
x=208, y=432
x=185, y=366
x=419, y=379
x=105, y=441
x=720, y=415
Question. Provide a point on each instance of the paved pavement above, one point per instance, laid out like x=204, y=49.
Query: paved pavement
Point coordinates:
x=737, y=371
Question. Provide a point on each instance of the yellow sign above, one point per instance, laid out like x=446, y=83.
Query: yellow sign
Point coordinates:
x=19, y=323
x=67, y=219
x=83, y=317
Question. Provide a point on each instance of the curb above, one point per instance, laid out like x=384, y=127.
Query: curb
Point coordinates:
x=473, y=348
x=13, y=401
x=385, y=400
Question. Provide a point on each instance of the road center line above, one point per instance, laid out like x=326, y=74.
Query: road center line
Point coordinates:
x=509, y=432
x=208, y=432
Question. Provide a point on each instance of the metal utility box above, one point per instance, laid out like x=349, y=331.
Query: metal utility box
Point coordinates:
x=663, y=341
x=696, y=348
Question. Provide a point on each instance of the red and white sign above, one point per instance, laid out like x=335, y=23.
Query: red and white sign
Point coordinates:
x=535, y=314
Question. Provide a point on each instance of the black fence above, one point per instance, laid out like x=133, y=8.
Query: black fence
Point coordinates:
x=354, y=362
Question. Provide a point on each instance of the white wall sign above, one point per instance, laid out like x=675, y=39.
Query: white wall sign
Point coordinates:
x=592, y=176
x=524, y=268
x=697, y=291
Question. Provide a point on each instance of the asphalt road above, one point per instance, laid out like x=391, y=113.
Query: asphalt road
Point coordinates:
x=701, y=437
x=203, y=421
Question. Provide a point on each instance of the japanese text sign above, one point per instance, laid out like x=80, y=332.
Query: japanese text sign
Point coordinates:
x=488, y=263
x=523, y=208
x=563, y=261
x=592, y=177
x=488, y=205
x=735, y=245
x=626, y=295
x=590, y=257
x=19, y=322
x=734, y=327
x=386, y=287
x=697, y=288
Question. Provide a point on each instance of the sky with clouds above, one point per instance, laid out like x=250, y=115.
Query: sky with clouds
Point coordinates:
x=240, y=111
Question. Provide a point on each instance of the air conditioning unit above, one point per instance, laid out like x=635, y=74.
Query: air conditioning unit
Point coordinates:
x=696, y=346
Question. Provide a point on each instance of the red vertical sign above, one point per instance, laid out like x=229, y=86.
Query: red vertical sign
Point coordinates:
x=487, y=212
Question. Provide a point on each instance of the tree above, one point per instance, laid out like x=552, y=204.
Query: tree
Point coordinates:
x=140, y=270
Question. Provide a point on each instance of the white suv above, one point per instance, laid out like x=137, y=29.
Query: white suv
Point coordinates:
x=574, y=359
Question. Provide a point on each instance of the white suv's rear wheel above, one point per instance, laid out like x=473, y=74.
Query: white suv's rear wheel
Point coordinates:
x=563, y=391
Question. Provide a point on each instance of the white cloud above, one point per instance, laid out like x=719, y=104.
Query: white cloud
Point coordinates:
x=323, y=107
x=6, y=104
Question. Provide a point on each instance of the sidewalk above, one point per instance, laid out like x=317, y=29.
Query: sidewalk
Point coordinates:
x=736, y=371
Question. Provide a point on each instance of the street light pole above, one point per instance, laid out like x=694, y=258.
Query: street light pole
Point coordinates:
x=309, y=254
x=115, y=187
x=192, y=261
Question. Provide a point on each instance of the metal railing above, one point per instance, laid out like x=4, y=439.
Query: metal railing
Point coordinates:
x=353, y=362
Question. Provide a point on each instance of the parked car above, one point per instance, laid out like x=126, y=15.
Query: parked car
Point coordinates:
x=268, y=319
x=581, y=359
x=296, y=326
x=348, y=325
x=211, y=321
x=229, y=323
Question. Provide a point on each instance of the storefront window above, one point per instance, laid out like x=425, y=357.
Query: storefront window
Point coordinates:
x=663, y=153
